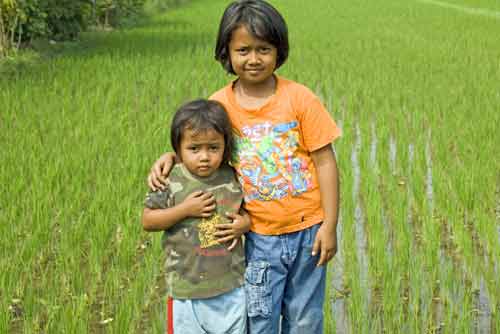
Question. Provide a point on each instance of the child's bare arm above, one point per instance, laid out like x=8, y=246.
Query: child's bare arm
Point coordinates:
x=197, y=204
x=157, y=177
x=326, y=168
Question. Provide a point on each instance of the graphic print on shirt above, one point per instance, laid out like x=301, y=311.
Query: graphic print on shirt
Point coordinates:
x=267, y=162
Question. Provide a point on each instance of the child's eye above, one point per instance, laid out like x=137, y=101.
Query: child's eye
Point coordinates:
x=242, y=51
x=214, y=148
x=193, y=148
x=265, y=50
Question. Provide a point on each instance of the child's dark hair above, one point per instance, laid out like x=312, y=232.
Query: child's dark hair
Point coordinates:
x=261, y=19
x=201, y=115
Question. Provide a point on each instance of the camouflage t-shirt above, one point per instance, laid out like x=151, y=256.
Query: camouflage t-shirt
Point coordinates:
x=196, y=265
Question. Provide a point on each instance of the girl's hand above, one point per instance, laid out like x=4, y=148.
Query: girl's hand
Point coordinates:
x=234, y=230
x=325, y=243
x=199, y=204
x=157, y=178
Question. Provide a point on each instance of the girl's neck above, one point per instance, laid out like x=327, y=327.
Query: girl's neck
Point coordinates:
x=254, y=96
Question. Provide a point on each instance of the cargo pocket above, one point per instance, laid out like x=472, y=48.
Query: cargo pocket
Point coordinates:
x=257, y=289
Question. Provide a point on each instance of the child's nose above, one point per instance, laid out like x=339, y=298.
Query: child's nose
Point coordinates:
x=254, y=57
x=204, y=155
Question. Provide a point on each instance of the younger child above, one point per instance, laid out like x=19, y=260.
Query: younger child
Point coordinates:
x=287, y=168
x=204, y=276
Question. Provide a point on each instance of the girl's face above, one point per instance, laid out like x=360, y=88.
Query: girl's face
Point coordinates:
x=253, y=60
x=202, y=152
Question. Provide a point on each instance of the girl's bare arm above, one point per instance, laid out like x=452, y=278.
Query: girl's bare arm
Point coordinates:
x=326, y=168
x=157, y=177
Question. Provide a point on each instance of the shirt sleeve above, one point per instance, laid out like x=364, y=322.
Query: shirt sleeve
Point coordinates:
x=317, y=125
x=159, y=199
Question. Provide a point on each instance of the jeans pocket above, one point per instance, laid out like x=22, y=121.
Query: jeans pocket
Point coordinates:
x=257, y=289
x=311, y=236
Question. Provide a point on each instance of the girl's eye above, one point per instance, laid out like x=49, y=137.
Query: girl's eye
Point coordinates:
x=194, y=148
x=214, y=148
x=265, y=50
x=242, y=51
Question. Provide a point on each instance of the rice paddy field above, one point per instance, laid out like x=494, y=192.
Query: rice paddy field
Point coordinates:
x=415, y=87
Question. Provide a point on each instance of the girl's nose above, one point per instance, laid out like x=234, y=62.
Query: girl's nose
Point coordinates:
x=254, y=57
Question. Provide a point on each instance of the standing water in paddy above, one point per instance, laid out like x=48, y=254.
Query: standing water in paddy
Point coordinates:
x=359, y=217
x=392, y=154
x=337, y=285
x=483, y=320
x=409, y=185
x=411, y=156
x=338, y=289
x=429, y=190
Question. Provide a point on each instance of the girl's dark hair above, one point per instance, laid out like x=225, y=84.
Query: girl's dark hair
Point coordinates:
x=261, y=19
x=202, y=115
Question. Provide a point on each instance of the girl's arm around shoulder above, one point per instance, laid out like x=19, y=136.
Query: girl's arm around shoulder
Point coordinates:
x=326, y=169
x=197, y=204
x=160, y=171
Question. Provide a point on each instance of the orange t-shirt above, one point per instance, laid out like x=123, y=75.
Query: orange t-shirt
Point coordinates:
x=272, y=157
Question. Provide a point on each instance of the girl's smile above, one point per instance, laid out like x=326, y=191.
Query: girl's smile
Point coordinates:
x=253, y=60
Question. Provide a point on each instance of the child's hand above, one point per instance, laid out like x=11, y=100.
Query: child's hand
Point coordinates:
x=234, y=230
x=157, y=177
x=199, y=204
x=326, y=243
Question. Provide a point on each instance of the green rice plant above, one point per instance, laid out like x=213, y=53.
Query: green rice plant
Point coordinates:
x=80, y=130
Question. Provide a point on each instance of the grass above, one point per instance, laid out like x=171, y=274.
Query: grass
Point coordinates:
x=80, y=128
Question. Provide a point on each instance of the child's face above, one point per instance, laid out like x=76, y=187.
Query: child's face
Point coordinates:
x=253, y=60
x=202, y=151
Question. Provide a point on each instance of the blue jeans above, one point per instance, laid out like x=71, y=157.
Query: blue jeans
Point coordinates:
x=222, y=314
x=284, y=287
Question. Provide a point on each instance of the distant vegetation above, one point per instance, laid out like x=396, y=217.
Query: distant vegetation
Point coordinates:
x=21, y=21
